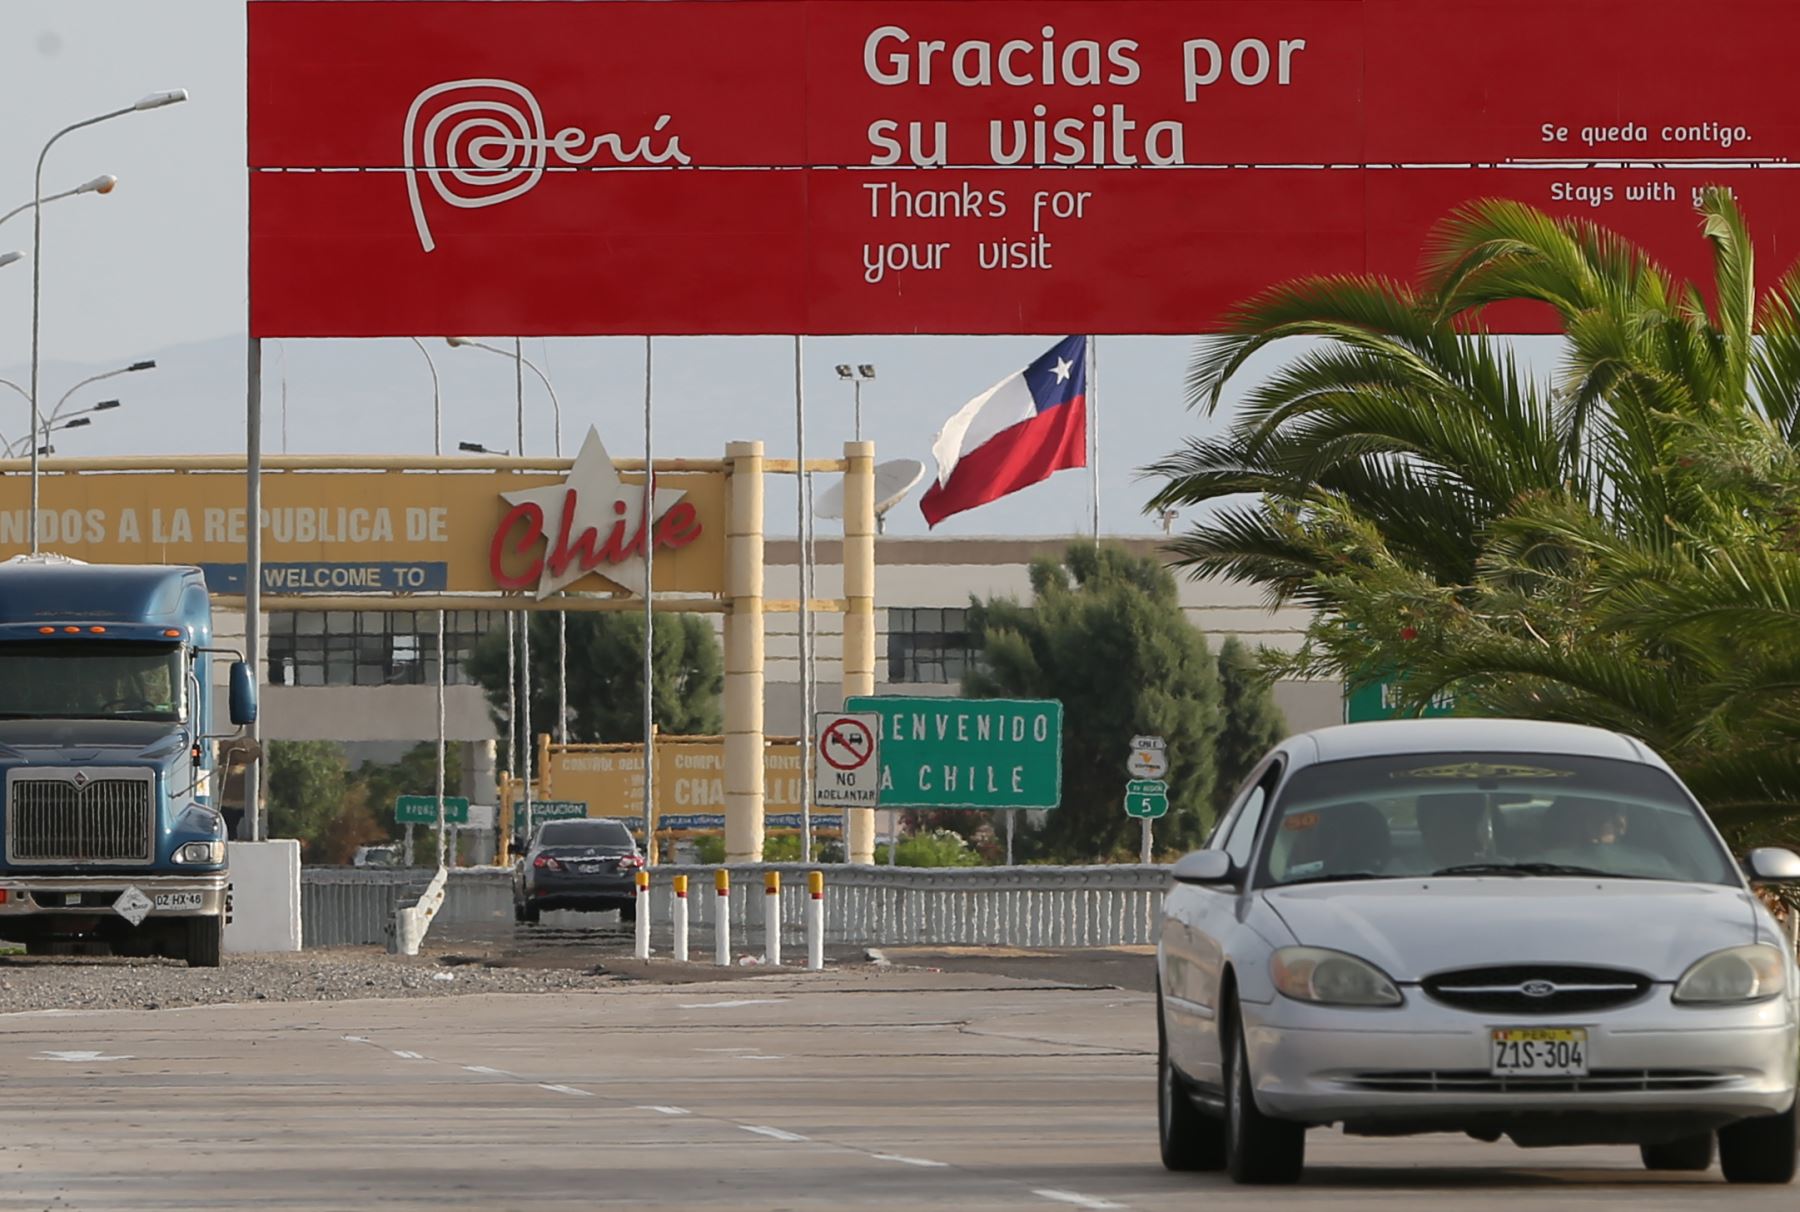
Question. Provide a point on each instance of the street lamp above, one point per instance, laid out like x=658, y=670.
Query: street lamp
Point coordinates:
x=145, y=364
x=103, y=184
x=7, y=258
x=437, y=401
x=478, y=448
x=862, y=372
x=147, y=102
x=555, y=404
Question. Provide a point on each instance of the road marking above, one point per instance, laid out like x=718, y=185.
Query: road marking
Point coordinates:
x=909, y=1161
x=666, y=1110
x=489, y=1071
x=730, y=1005
x=1076, y=1198
x=76, y=1058
x=566, y=1089
x=405, y=1055
x=775, y=1133
x=354, y=1039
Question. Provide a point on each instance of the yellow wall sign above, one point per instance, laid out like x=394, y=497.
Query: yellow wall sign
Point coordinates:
x=690, y=777
x=390, y=531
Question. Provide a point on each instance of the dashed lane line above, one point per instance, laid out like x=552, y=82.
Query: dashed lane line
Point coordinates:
x=774, y=1133
x=1075, y=1198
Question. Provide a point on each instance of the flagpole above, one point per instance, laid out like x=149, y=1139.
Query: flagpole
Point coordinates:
x=1093, y=426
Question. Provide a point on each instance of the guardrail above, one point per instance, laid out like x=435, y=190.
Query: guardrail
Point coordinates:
x=1097, y=906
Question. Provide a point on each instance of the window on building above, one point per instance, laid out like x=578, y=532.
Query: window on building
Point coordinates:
x=372, y=647
x=928, y=645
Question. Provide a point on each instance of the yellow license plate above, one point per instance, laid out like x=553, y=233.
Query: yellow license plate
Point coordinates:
x=1539, y=1052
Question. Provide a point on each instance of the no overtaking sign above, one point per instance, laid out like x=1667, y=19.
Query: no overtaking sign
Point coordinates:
x=846, y=766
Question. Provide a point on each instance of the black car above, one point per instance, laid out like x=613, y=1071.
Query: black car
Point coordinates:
x=578, y=864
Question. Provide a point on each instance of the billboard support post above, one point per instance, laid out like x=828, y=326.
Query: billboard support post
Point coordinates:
x=252, y=570
x=744, y=655
x=859, y=617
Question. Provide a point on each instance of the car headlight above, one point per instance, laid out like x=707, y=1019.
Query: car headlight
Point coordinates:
x=1331, y=978
x=1737, y=974
x=201, y=852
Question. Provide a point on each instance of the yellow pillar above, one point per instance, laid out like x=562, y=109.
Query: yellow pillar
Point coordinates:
x=744, y=656
x=859, y=614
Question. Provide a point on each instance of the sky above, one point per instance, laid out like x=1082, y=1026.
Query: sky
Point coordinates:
x=156, y=269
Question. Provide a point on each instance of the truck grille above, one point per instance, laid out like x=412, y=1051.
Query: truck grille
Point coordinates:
x=78, y=817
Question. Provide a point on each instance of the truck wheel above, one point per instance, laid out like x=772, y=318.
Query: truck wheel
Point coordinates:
x=205, y=941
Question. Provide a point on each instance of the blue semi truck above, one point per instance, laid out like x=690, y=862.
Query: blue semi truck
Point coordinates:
x=112, y=835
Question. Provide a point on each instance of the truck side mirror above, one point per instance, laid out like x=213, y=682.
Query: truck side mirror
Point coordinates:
x=243, y=694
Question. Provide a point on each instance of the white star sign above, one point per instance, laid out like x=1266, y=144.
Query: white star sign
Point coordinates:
x=1063, y=369
x=590, y=523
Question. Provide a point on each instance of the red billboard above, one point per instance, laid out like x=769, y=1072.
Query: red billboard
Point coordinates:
x=985, y=166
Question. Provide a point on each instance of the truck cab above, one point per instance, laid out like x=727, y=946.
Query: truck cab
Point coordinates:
x=111, y=836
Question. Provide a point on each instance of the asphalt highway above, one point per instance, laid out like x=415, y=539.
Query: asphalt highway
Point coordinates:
x=891, y=1089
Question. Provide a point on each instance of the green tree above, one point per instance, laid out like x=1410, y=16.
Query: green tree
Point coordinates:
x=1105, y=635
x=1251, y=724
x=1611, y=543
x=414, y=774
x=306, y=788
x=606, y=675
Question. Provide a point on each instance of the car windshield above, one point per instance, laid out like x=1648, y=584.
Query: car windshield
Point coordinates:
x=610, y=835
x=85, y=678
x=1521, y=814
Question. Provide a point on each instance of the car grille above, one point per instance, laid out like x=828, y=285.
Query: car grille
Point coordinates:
x=1476, y=1081
x=1536, y=989
x=76, y=819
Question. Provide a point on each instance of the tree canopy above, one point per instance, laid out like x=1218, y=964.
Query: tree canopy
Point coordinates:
x=1615, y=542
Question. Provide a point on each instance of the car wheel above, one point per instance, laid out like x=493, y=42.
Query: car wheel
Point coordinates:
x=1690, y=1153
x=1759, y=1150
x=528, y=913
x=1190, y=1139
x=1258, y=1149
x=628, y=911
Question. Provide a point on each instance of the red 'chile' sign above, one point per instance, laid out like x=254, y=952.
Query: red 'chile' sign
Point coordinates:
x=600, y=526
x=986, y=166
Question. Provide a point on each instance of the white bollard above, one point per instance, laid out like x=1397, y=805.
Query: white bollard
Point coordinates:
x=643, y=915
x=722, y=923
x=681, y=919
x=815, y=920
x=772, y=918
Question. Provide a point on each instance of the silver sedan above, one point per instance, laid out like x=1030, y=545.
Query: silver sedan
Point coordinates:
x=1493, y=927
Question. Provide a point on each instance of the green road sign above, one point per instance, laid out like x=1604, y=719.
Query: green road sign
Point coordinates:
x=967, y=753
x=422, y=810
x=1146, y=798
x=556, y=810
x=1379, y=700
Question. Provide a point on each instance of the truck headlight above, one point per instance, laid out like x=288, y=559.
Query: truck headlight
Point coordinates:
x=1330, y=978
x=1749, y=973
x=201, y=852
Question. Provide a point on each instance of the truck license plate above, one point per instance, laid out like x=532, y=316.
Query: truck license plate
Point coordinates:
x=180, y=900
x=1539, y=1052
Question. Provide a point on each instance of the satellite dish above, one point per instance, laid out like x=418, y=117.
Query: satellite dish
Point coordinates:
x=893, y=480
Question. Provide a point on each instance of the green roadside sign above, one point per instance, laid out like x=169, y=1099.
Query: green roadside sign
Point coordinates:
x=967, y=753
x=422, y=810
x=1146, y=799
x=556, y=810
x=1380, y=700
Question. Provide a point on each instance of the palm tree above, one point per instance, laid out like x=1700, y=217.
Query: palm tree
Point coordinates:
x=1614, y=543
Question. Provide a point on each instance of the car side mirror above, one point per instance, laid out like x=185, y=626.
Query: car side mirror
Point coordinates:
x=1772, y=865
x=243, y=694
x=1203, y=867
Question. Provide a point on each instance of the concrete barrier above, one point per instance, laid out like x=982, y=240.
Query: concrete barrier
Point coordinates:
x=265, y=896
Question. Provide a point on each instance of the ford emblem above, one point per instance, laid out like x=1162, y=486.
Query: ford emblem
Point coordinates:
x=1537, y=988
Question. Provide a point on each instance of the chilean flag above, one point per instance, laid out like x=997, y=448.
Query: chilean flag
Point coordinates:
x=1013, y=434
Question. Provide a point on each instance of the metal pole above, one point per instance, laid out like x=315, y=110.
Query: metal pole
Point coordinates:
x=856, y=390
x=512, y=693
x=525, y=739
x=1145, y=851
x=519, y=388
x=1012, y=820
x=806, y=706
x=252, y=565
x=1093, y=426
x=437, y=400
x=440, y=736
x=650, y=847
x=562, y=676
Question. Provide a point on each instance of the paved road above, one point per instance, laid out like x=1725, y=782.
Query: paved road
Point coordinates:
x=873, y=1089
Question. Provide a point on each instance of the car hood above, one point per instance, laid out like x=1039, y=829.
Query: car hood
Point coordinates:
x=90, y=742
x=1411, y=928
